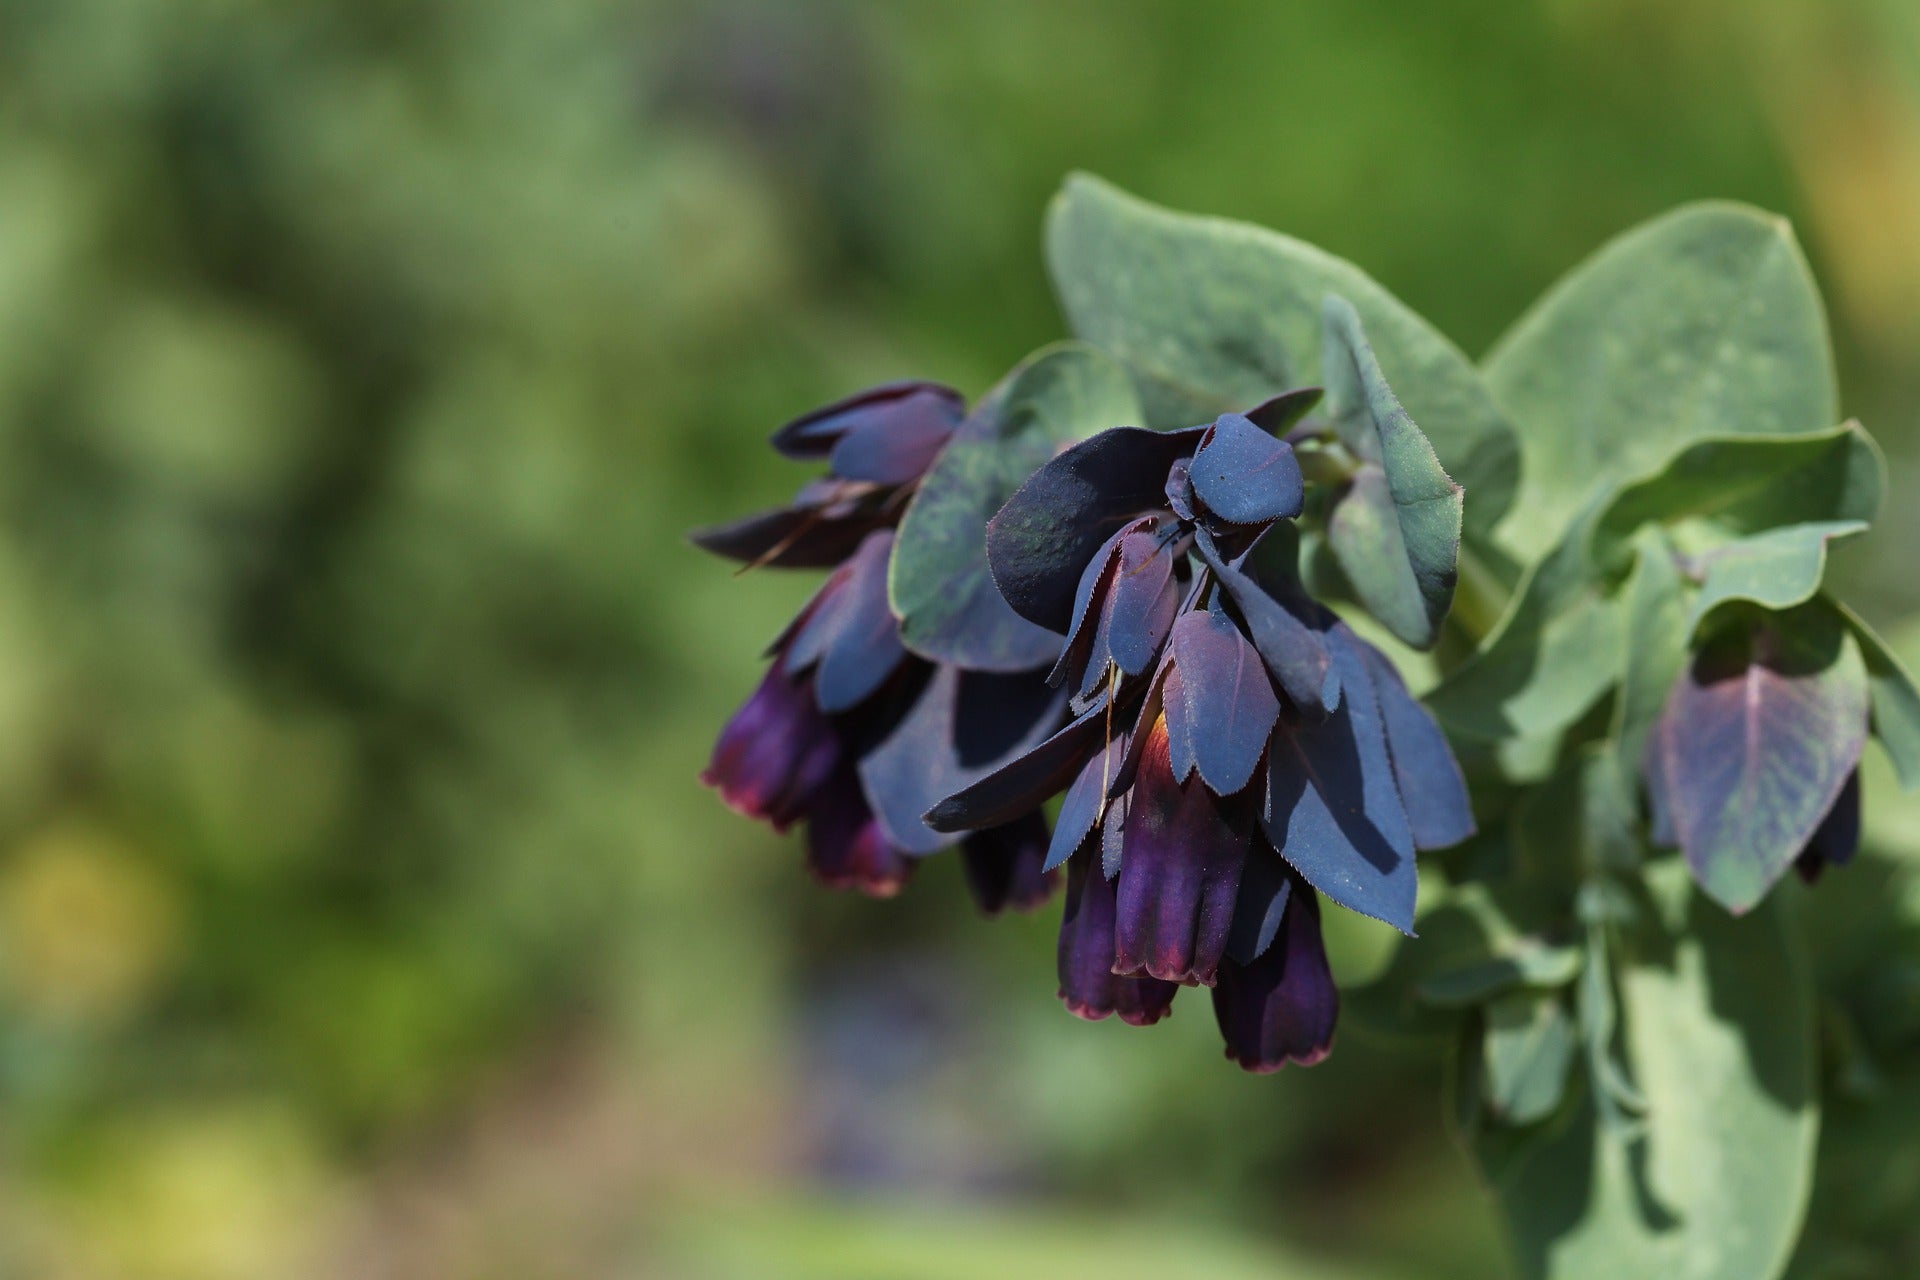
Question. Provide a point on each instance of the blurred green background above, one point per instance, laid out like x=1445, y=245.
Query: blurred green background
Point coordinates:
x=361, y=366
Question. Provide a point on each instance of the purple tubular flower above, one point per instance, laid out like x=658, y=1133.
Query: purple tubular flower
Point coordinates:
x=1235, y=745
x=1182, y=852
x=1837, y=838
x=846, y=849
x=1088, y=985
x=1281, y=1007
x=848, y=731
x=1003, y=866
x=776, y=753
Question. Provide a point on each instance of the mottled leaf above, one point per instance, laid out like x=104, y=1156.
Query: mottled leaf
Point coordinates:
x=949, y=607
x=1656, y=631
x=1213, y=316
x=1741, y=485
x=1553, y=654
x=1396, y=530
x=1757, y=739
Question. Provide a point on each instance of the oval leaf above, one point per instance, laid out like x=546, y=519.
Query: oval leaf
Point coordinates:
x=1703, y=322
x=1213, y=316
x=1757, y=739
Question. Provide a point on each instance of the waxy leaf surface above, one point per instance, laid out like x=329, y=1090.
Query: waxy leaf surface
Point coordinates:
x=1719, y=1035
x=1775, y=570
x=1213, y=316
x=1741, y=485
x=1228, y=705
x=1702, y=322
x=1025, y=782
x=1396, y=531
x=1245, y=476
x=1896, y=701
x=1431, y=786
x=964, y=726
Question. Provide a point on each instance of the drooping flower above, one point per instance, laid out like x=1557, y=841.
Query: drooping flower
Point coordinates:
x=1236, y=750
x=849, y=732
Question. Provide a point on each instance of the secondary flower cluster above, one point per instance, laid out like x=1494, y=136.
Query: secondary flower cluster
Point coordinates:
x=1236, y=751
x=843, y=698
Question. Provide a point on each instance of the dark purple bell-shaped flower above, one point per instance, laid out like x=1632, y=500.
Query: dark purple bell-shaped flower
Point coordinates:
x=1237, y=751
x=1182, y=851
x=1282, y=1006
x=1088, y=985
x=776, y=753
x=1837, y=838
x=1005, y=866
x=848, y=729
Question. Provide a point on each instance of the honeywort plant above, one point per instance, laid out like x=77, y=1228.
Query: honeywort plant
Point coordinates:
x=1183, y=571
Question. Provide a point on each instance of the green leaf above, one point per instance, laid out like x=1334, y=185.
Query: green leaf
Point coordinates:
x=1656, y=635
x=1703, y=322
x=1529, y=1047
x=1775, y=570
x=1719, y=1034
x=1396, y=530
x=1896, y=701
x=1581, y=821
x=1474, y=942
x=939, y=585
x=1553, y=654
x=1214, y=315
x=1523, y=960
x=1741, y=485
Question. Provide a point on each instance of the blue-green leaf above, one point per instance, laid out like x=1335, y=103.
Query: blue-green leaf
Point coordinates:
x=1740, y=485
x=1396, y=530
x=1777, y=569
x=1529, y=1047
x=1896, y=701
x=1703, y=322
x=1718, y=1033
x=1215, y=316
